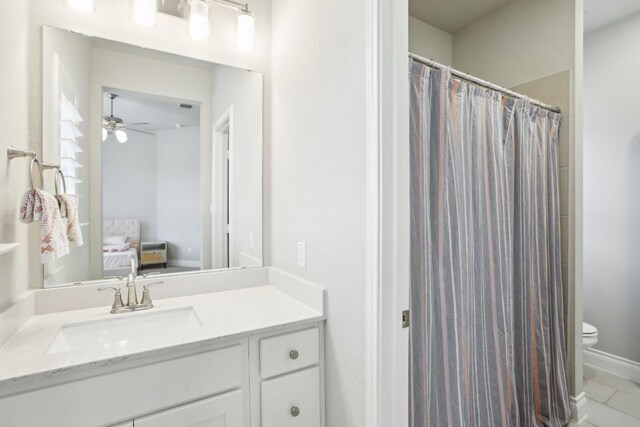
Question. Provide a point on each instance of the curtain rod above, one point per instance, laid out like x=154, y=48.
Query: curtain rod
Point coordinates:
x=468, y=77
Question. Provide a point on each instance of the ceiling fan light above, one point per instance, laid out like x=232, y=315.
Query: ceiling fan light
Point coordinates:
x=121, y=136
x=105, y=134
x=144, y=12
x=83, y=6
x=199, y=20
x=245, y=37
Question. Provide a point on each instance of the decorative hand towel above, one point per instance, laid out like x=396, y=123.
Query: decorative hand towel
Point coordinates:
x=38, y=205
x=69, y=210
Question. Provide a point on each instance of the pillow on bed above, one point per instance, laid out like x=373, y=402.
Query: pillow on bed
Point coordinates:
x=114, y=240
x=124, y=247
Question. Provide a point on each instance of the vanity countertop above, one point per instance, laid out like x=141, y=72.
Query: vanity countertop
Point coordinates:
x=28, y=356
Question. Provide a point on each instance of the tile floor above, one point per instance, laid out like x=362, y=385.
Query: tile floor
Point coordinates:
x=613, y=401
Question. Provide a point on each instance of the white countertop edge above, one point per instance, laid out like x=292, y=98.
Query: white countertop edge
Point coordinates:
x=48, y=378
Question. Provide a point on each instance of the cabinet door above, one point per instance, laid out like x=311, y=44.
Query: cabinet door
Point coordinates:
x=219, y=411
x=292, y=400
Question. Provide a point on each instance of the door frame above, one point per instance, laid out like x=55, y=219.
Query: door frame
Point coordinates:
x=221, y=196
x=387, y=223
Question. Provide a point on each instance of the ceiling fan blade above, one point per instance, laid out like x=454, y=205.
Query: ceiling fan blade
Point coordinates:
x=135, y=124
x=136, y=130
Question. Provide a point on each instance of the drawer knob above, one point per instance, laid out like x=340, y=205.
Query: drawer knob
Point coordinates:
x=293, y=354
x=295, y=411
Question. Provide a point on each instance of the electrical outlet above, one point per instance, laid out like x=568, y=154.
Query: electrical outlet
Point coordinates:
x=302, y=255
x=189, y=250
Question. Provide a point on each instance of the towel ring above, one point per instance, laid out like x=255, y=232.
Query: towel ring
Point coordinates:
x=64, y=182
x=36, y=162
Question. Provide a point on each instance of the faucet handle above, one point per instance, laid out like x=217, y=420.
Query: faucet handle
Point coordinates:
x=146, y=297
x=117, y=298
x=115, y=277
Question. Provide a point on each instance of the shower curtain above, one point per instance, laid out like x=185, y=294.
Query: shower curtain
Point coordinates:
x=487, y=345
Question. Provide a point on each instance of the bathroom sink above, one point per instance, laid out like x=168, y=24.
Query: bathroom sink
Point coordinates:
x=124, y=331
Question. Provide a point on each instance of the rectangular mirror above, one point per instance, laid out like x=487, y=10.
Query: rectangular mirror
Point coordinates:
x=162, y=153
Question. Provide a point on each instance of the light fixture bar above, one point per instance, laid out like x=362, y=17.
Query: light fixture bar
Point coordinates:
x=243, y=7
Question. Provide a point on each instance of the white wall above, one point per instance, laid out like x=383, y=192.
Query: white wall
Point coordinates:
x=430, y=42
x=242, y=90
x=178, y=193
x=521, y=42
x=612, y=186
x=318, y=176
x=129, y=182
x=15, y=267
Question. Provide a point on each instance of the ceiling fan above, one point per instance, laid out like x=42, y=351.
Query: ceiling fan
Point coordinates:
x=115, y=125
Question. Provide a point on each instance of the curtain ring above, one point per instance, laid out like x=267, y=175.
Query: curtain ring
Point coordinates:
x=36, y=162
x=64, y=182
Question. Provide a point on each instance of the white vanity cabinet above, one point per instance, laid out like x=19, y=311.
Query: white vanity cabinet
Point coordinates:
x=226, y=410
x=270, y=379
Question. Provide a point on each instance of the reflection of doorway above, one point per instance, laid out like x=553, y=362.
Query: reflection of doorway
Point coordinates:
x=222, y=183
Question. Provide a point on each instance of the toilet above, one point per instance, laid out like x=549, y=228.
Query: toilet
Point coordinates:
x=589, y=335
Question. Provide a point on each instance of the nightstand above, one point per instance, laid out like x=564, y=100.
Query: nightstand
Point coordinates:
x=153, y=253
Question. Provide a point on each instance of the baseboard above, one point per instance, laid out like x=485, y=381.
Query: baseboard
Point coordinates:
x=611, y=363
x=578, y=406
x=183, y=263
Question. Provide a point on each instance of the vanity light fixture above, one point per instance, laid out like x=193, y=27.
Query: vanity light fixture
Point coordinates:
x=144, y=12
x=199, y=20
x=245, y=37
x=83, y=6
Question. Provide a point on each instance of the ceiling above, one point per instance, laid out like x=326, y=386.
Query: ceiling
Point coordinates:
x=159, y=112
x=453, y=15
x=598, y=13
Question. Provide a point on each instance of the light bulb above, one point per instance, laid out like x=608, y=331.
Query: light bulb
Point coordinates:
x=121, y=136
x=105, y=134
x=84, y=6
x=245, y=37
x=144, y=12
x=199, y=20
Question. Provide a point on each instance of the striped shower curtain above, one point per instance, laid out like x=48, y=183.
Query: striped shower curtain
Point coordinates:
x=487, y=345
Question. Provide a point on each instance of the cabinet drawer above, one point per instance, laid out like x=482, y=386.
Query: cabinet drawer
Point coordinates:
x=280, y=397
x=152, y=256
x=225, y=410
x=289, y=352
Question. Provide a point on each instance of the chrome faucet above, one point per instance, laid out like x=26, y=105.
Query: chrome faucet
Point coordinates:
x=132, y=297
